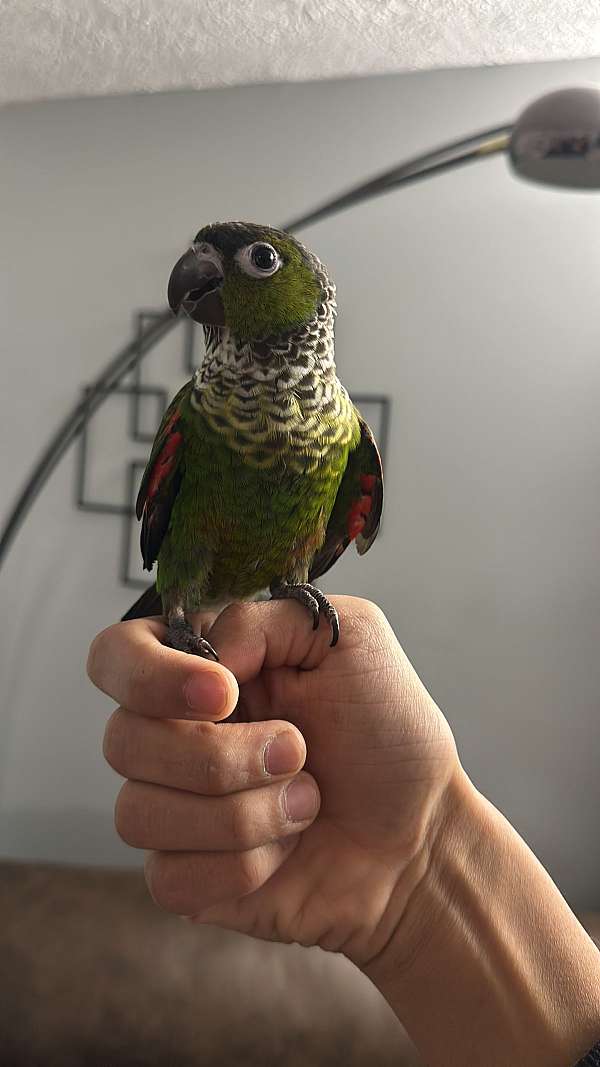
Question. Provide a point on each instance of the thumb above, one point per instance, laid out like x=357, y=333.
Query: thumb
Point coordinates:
x=268, y=634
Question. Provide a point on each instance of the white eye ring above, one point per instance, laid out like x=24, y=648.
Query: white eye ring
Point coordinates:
x=246, y=258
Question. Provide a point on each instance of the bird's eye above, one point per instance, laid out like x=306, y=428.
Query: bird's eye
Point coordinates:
x=260, y=259
x=263, y=256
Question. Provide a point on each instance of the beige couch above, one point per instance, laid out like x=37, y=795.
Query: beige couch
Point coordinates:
x=92, y=974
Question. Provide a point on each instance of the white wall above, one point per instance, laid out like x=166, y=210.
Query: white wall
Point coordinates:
x=472, y=299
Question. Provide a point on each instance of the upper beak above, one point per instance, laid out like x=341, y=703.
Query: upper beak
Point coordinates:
x=195, y=284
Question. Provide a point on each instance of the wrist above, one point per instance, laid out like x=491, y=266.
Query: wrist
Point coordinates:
x=412, y=889
x=486, y=962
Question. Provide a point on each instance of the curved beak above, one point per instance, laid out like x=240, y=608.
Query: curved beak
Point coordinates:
x=195, y=285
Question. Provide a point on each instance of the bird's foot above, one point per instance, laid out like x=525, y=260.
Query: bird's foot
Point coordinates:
x=181, y=637
x=313, y=599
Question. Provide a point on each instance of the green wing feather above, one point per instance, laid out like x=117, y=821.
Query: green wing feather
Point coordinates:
x=356, y=513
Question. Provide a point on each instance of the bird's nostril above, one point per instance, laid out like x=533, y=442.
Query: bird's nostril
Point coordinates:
x=194, y=294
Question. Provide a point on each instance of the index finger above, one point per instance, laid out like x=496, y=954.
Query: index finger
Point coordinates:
x=129, y=662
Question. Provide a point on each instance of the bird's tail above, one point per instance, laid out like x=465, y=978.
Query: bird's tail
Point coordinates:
x=149, y=603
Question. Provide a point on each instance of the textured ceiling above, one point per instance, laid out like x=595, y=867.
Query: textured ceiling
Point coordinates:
x=87, y=47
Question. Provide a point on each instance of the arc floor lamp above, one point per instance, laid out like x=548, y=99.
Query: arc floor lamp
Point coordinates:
x=555, y=141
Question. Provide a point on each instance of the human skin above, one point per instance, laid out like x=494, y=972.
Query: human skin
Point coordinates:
x=366, y=837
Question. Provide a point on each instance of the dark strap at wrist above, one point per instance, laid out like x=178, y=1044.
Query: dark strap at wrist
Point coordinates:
x=592, y=1059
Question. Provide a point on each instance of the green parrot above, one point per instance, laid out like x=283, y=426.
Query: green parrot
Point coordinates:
x=262, y=471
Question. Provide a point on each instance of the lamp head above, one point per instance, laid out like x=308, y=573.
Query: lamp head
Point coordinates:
x=556, y=140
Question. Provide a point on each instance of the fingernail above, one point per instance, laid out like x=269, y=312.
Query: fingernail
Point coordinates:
x=300, y=800
x=282, y=754
x=205, y=691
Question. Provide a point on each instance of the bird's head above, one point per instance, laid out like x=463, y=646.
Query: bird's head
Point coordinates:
x=257, y=281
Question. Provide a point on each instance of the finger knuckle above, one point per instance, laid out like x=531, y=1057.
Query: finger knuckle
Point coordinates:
x=366, y=626
x=372, y=612
x=170, y=880
x=98, y=654
x=216, y=778
x=208, y=763
x=251, y=872
x=130, y=816
x=243, y=825
x=116, y=746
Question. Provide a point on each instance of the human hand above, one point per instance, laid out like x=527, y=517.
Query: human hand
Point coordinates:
x=328, y=854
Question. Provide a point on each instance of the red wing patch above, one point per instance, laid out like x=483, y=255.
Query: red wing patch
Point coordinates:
x=163, y=466
x=159, y=488
x=164, y=449
x=361, y=508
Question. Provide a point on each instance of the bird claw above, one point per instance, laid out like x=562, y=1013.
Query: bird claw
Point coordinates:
x=183, y=639
x=313, y=599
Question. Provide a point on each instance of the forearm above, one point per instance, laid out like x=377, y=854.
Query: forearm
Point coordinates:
x=488, y=963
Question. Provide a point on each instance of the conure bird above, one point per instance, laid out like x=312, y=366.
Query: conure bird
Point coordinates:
x=262, y=471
